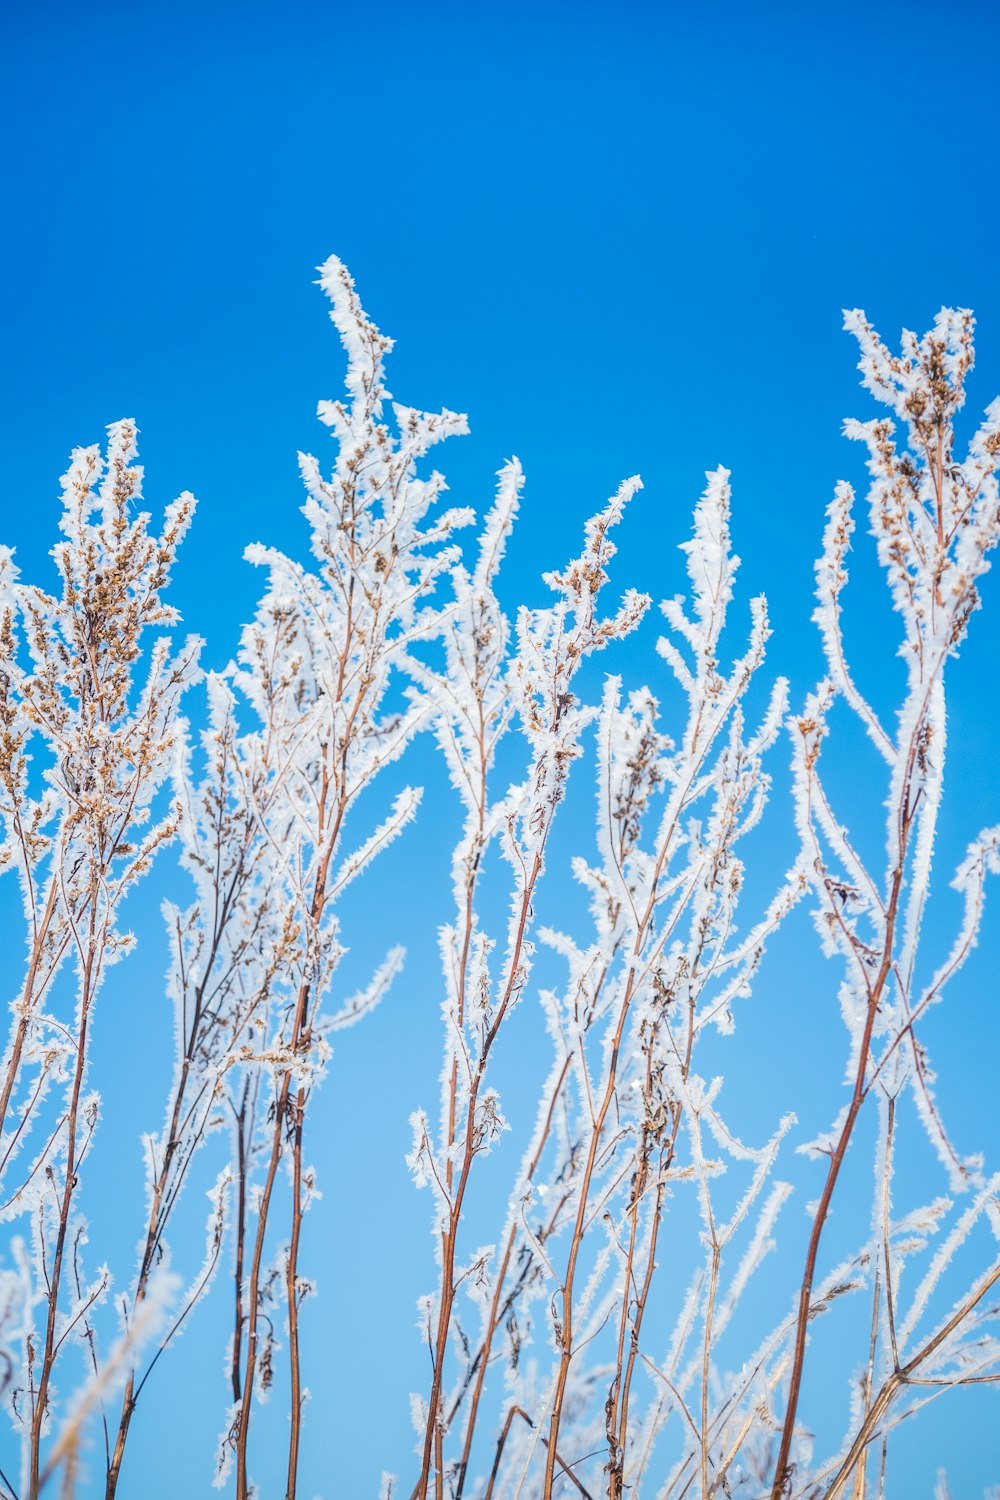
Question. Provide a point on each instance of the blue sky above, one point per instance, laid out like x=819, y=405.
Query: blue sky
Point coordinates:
x=620, y=238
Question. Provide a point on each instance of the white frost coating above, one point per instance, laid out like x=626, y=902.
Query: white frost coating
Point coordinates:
x=761, y=1244
x=622, y=1121
x=92, y=695
x=665, y=960
x=267, y=812
x=383, y=630
x=404, y=810
x=935, y=519
x=831, y=577
x=323, y=666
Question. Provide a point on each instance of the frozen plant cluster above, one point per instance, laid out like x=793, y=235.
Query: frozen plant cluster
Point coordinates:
x=568, y=1355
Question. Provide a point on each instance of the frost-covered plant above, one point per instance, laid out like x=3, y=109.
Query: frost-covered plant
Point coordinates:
x=316, y=666
x=606, y=1144
x=625, y=1119
x=227, y=947
x=605, y=1356
x=80, y=688
x=935, y=519
x=477, y=694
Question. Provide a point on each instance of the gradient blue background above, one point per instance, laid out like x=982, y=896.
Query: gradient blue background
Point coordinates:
x=619, y=237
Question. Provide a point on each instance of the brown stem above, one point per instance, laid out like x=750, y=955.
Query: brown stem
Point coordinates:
x=20, y=1034
x=450, y=1237
x=241, y=1229
x=50, y=1349
x=703, y=736
x=517, y=1411
x=566, y=1331
x=902, y=1377
x=618, y=1399
x=782, y=1474
x=291, y=1284
x=160, y=1206
x=499, y=1306
x=253, y=1292
x=327, y=839
x=634, y=1335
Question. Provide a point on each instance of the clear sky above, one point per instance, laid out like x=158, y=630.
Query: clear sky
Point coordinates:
x=620, y=237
